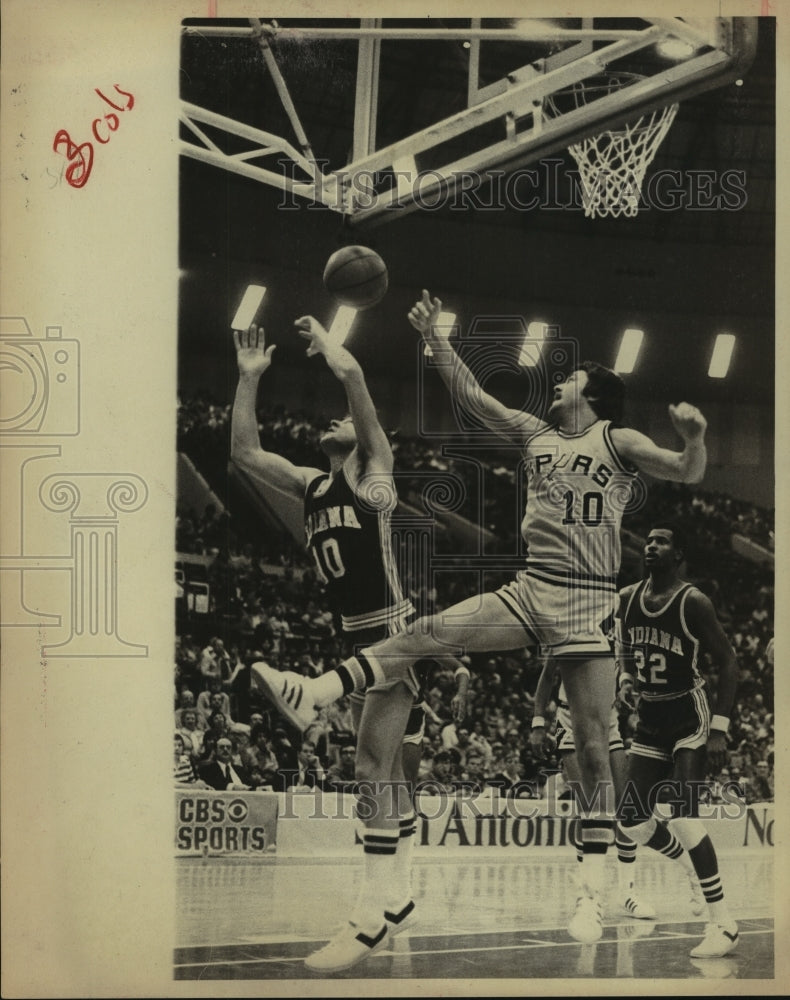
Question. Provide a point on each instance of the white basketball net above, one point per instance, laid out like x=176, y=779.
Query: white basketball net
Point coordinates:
x=612, y=164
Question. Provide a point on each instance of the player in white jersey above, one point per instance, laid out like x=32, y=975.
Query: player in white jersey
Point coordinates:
x=578, y=463
x=566, y=748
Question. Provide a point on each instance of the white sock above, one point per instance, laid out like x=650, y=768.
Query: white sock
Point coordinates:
x=399, y=893
x=326, y=689
x=379, y=849
x=597, y=834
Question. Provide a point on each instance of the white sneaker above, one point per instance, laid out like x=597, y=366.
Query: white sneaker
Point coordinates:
x=698, y=904
x=718, y=941
x=287, y=691
x=403, y=918
x=347, y=948
x=586, y=924
x=716, y=968
x=638, y=908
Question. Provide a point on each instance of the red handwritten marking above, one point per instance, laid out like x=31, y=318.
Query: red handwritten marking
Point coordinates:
x=80, y=156
x=212, y=8
x=766, y=8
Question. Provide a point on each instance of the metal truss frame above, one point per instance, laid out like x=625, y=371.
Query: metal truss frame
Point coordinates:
x=377, y=182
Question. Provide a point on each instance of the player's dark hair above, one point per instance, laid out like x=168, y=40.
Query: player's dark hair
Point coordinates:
x=605, y=391
x=679, y=539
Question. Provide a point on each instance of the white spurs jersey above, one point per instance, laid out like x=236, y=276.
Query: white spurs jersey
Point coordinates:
x=577, y=490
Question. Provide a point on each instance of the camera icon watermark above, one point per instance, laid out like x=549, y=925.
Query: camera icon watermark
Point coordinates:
x=63, y=585
x=41, y=381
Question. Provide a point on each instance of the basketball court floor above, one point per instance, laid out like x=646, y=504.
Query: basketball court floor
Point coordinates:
x=479, y=919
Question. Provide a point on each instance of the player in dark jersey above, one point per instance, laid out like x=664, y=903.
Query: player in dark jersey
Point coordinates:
x=580, y=466
x=664, y=625
x=347, y=530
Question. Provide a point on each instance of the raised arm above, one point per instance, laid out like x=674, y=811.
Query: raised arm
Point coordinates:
x=702, y=620
x=253, y=359
x=687, y=466
x=373, y=454
x=458, y=704
x=513, y=425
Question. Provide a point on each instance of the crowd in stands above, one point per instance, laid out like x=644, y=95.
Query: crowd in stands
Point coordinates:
x=265, y=602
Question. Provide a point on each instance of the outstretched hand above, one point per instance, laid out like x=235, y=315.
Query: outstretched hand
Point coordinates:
x=424, y=315
x=341, y=362
x=309, y=328
x=688, y=421
x=252, y=355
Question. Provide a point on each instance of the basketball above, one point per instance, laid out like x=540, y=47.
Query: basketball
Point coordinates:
x=356, y=276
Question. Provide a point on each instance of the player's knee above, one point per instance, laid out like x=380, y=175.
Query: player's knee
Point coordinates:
x=371, y=767
x=592, y=748
x=690, y=832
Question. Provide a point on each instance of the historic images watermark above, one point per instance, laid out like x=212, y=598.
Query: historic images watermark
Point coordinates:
x=364, y=800
x=548, y=186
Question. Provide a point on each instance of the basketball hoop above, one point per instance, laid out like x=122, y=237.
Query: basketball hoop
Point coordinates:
x=612, y=164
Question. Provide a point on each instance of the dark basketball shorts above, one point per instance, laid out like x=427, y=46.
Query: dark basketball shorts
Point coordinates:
x=667, y=725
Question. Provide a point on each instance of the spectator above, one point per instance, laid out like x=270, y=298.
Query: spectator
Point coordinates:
x=440, y=780
x=193, y=737
x=214, y=699
x=510, y=780
x=479, y=742
x=473, y=773
x=223, y=773
x=259, y=759
x=761, y=784
x=183, y=769
x=340, y=776
x=187, y=669
x=186, y=702
x=310, y=773
x=217, y=728
x=215, y=663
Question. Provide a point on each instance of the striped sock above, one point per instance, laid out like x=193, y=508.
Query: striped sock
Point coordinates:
x=596, y=836
x=379, y=848
x=400, y=891
x=360, y=671
x=666, y=843
x=706, y=865
x=626, y=856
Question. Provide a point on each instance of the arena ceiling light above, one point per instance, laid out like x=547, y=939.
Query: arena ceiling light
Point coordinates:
x=248, y=307
x=529, y=356
x=342, y=323
x=629, y=350
x=722, y=355
x=675, y=49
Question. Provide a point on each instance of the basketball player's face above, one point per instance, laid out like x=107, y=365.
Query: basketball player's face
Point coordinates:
x=568, y=394
x=340, y=434
x=660, y=552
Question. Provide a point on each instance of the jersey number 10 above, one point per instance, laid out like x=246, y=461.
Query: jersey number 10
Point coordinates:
x=329, y=563
x=591, y=508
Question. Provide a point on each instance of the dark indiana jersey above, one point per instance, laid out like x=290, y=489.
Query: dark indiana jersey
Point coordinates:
x=351, y=544
x=660, y=646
